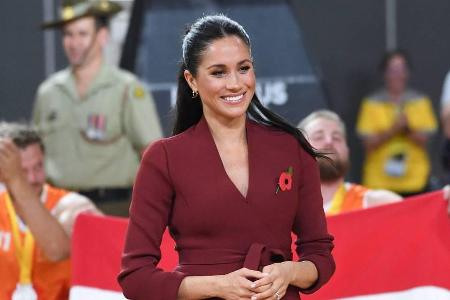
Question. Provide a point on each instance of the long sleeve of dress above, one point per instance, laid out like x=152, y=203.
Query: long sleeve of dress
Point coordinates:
x=314, y=243
x=149, y=215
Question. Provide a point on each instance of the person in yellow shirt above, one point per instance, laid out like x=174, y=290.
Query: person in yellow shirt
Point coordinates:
x=36, y=221
x=395, y=124
x=326, y=133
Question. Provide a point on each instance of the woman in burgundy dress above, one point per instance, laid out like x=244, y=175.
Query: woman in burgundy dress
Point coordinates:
x=231, y=184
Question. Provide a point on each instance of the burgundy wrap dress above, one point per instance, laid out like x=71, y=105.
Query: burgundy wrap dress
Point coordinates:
x=182, y=184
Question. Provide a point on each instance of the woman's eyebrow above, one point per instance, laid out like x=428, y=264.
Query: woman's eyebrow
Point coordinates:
x=223, y=65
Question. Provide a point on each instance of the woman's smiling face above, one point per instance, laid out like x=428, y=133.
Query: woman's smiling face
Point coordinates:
x=225, y=79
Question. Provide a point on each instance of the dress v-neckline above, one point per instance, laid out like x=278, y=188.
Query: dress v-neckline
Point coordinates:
x=222, y=166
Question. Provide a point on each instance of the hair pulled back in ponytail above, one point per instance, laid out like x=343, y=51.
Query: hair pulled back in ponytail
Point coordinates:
x=189, y=111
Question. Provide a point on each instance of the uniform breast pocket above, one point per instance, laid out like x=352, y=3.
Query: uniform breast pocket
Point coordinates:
x=101, y=127
x=101, y=116
x=53, y=121
x=55, y=128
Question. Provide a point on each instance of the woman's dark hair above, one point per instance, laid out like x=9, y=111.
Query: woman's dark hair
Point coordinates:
x=388, y=56
x=189, y=111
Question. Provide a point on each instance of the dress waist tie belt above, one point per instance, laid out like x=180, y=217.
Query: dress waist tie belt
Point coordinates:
x=257, y=256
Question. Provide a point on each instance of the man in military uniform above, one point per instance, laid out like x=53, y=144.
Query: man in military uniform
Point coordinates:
x=94, y=118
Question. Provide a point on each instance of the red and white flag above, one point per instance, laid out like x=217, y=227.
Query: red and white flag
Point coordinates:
x=398, y=251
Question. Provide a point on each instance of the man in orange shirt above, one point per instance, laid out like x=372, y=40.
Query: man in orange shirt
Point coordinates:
x=35, y=220
x=326, y=132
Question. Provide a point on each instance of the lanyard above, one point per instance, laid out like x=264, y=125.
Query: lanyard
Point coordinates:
x=24, y=247
x=337, y=201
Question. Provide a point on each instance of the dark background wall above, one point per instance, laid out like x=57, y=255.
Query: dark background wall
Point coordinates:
x=21, y=57
x=345, y=39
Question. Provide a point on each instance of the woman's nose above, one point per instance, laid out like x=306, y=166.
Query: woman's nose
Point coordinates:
x=233, y=81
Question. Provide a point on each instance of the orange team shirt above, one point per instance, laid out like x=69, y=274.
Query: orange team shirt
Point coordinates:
x=51, y=280
x=349, y=197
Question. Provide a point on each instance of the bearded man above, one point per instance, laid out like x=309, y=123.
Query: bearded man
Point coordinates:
x=326, y=132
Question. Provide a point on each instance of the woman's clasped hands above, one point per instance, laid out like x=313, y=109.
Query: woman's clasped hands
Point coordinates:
x=270, y=283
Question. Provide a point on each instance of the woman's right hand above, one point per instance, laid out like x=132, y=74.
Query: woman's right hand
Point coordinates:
x=237, y=285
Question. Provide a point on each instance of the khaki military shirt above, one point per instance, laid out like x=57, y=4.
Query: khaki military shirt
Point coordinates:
x=96, y=141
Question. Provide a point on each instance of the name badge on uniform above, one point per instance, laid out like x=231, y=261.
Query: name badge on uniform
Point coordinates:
x=24, y=292
x=96, y=128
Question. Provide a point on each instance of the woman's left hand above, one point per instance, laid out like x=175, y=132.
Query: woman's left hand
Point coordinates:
x=274, y=285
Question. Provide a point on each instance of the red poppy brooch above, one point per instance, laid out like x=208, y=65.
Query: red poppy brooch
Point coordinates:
x=285, y=180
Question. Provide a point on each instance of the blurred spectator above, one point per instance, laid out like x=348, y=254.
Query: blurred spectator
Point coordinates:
x=36, y=220
x=95, y=119
x=326, y=132
x=395, y=124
